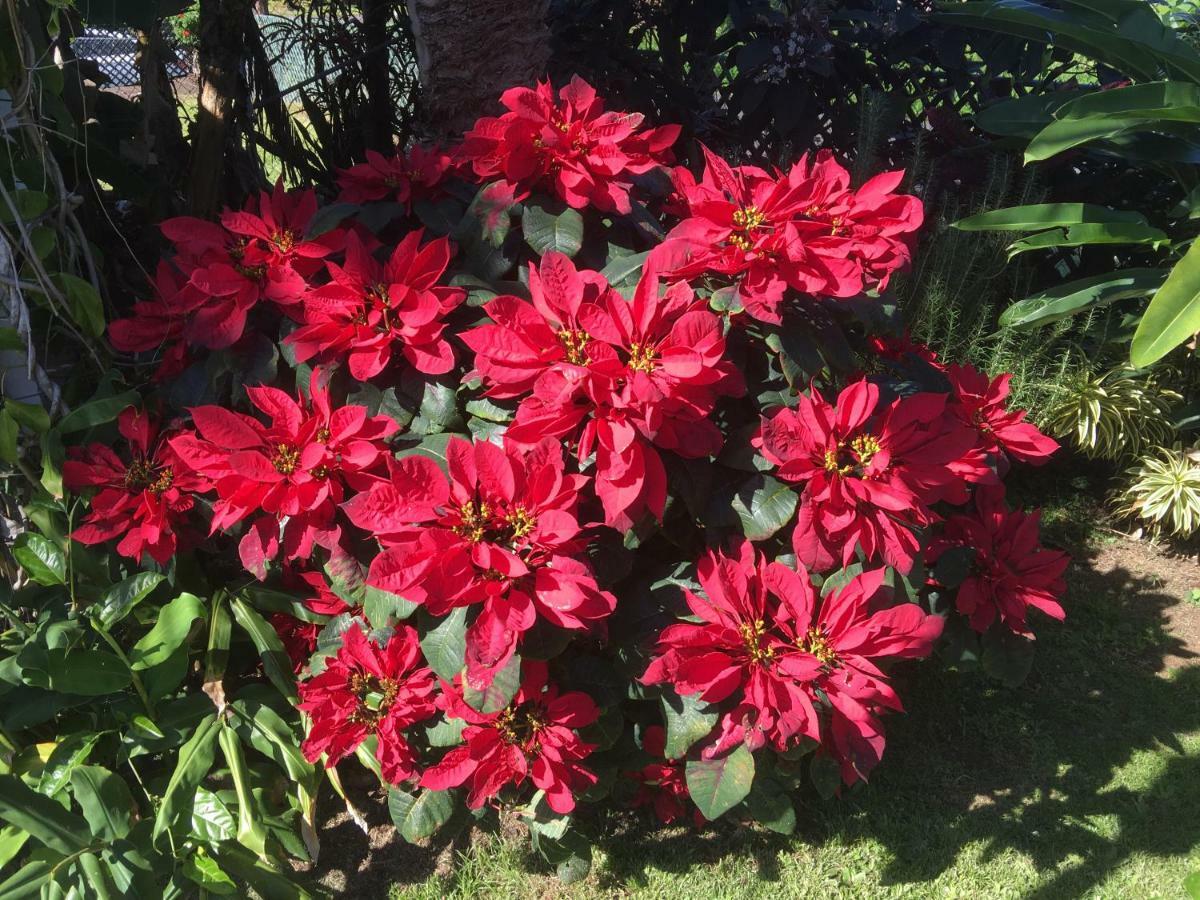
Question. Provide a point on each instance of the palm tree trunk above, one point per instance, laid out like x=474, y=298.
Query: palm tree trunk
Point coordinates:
x=215, y=145
x=469, y=51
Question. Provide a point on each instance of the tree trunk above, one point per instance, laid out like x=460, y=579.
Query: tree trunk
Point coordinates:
x=162, y=132
x=215, y=139
x=377, y=124
x=470, y=51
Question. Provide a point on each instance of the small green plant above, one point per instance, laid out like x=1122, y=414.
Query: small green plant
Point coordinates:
x=186, y=25
x=1117, y=415
x=1164, y=493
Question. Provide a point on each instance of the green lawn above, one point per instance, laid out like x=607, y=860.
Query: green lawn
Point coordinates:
x=1082, y=783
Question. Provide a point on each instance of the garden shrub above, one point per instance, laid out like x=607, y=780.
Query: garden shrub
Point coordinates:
x=533, y=474
x=1117, y=279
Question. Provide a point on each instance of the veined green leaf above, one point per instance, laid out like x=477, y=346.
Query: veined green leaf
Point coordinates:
x=718, y=785
x=175, y=621
x=1173, y=315
x=194, y=761
x=1036, y=216
x=105, y=799
x=43, y=818
x=96, y=412
x=552, y=226
x=1087, y=234
x=120, y=599
x=445, y=642
x=251, y=833
x=41, y=558
x=276, y=663
x=1064, y=300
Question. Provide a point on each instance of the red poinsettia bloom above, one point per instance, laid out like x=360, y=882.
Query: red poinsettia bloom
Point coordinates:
x=870, y=230
x=981, y=403
x=742, y=653
x=258, y=253
x=738, y=222
x=845, y=634
x=900, y=347
x=589, y=157
x=501, y=532
x=1011, y=573
x=299, y=638
x=620, y=376
x=404, y=177
x=662, y=785
x=869, y=475
x=806, y=230
x=369, y=309
x=277, y=226
x=144, y=500
x=533, y=737
x=156, y=324
x=368, y=689
x=292, y=471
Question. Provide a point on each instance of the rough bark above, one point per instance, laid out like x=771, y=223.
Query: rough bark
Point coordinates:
x=469, y=51
x=215, y=144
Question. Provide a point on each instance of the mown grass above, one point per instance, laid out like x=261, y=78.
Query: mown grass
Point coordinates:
x=1082, y=783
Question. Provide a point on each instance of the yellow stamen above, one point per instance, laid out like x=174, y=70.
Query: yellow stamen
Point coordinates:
x=474, y=517
x=286, y=459
x=752, y=634
x=521, y=521
x=817, y=643
x=284, y=240
x=574, y=344
x=746, y=220
x=865, y=446
x=641, y=357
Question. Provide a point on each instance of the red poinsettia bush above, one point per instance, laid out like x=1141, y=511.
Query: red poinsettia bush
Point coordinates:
x=570, y=479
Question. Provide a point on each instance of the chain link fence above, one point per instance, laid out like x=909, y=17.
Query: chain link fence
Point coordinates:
x=114, y=51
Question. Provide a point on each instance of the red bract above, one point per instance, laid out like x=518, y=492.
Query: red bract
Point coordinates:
x=502, y=532
x=292, y=471
x=368, y=690
x=743, y=653
x=806, y=230
x=369, y=309
x=663, y=785
x=981, y=403
x=533, y=737
x=902, y=347
x=258, y=253
x=404, y=177
x=157, y=323
x=615, y=377
x=1011, y=572
x=143, y=501
x=589, y=157
x=299, y=636
x=869, y=477
x=843, y=636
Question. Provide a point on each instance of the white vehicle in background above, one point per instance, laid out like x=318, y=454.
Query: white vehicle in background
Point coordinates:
x=115, y=53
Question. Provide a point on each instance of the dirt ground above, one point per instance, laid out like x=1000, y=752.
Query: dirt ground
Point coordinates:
x=1121, y=560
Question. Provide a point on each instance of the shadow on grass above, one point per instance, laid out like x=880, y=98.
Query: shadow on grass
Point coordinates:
x=1036, y=770
x=1029, y=769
